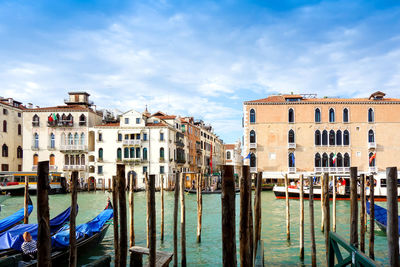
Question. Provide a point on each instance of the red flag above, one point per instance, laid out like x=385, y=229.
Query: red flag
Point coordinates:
x=372, y=158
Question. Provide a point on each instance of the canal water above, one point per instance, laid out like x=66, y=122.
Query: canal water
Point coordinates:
x=277, y=252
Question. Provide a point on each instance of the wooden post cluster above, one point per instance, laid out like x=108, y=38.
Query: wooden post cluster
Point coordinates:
x=244, y=233
x=353, y=208
x=131, y=213
x=228, y=217
x=322, y=202
x=199, y=205
x=115, y=221
x=26, y=201
x=257, y=213
x=162, y=208
x=392, y=217
x=151, y=201
x=327, y=225
x=362, y=213
x=183, y=221
x=312, y=231
x=72, y=220
x=301, y=217
x=123, y=229
x=176, y=203
x=287, y=207
x=146, y=180
x=371, y=216
x=43, y=215
x=334, y=204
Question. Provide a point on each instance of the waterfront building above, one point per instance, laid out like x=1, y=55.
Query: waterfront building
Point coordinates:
x=304, y=134
x=233, y=157
x=59, y=134
x=11, y=132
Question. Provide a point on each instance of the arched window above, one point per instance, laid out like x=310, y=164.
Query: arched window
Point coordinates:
x=70, y=139
x=325, y=160
x=324, y=137
x=119, y=153
x=252, y=160
x=70, y=120
x=83, y=139
x=83, y=159
x=36, y=140
x=145, y=153
x=72, y=160
x=77, y=160
x=331, y=137
x=126, y=153
x=292, y=162
x=371, y=136
x=35, y=159
x=339, y=160
x=317, y=138
x=317, y=160
x=162, y=153
x=4, y=150
x=76, y=139
x=132, y=152
x=331, y=115
x=63, y=140
x=372, y=157
x=291, y=115
x=5, y=126
x=370, y=115
x=345, y=115
x=66, y=160
x=291, y=136
x=119, y=137
x=252, y=136
x=52, y=160
x=19, y=152
x=228, y=155
x=100, y=154
x=317, y=115
x=19, y=129
x=252, y=116
x=339, y=138
x=138, y=152
x=35, y=120
x=332, y=160
x=346, y=160
x=52, y=141
x=82, y=120
x=346, y=138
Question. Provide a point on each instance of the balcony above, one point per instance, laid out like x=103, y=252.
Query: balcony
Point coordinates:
x=371, y=145
x=292, y=169
x=291, y=145
x=35, y=148
x=82, y=123
x=373, y=169
x=181, y=161
x=60, y=123
x=131, y=142
x=253, y=169
x=52, y=168
x=161, y=159
x=253, y=145
x=325, y=169
x=34, y=168
x=179, y=143
x=35, y=123
x=317, y=169
x=118, y=159
x=74, y=168
x=331, y=169
x=73, y=148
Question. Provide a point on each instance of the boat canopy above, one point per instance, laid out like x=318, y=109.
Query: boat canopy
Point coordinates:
x=13, y=237
x=14, y=218
x=61, y=239
x=380, y=215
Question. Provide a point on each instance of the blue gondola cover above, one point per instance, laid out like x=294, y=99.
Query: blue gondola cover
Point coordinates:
x=380, y=215
x=13, y=219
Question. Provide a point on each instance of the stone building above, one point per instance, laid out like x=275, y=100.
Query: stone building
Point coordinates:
x=233, y=156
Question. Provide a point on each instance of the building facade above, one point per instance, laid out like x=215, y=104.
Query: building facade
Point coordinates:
x=303, y=134
x=233, y=157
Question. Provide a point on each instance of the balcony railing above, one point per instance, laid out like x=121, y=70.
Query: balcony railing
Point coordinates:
x=51, y=147
x=179, y=143
x=181, y=161
x=292, y=169
x=73, y=148
x=34, y=167
x=331, y=169
x=52, y=167
x=291, y=145
x=34, y=147
x=253, y=169
x=161, y=159
x=253, y=145
x=317, y=169
x=371, y=145
x=74, y=168
x=131, y=142
x=373, y=169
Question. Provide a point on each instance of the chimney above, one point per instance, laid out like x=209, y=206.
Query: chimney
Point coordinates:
x=11, y=101
x=30, y=106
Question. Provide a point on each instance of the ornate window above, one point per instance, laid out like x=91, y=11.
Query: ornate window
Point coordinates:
x=339, y=138
x=36, y=140
x=331, y=163
x=345, y=115
x=317, y=115
x=291, y=136
x=371, y=115
x=76, y=139
x=145, y=153
x=346, y=160
x=132, y=152
x=291, y=115
x=252, y=116
x=325, y=160
x=228, y=155
x=138, y=152
x=339, y=160
x=100, y=154
x=66, y=160
x=331, y=137
x=252, y=136
x=317, y=138
x=162, y=153
x=252, y=160
x=52, y=141
x=19, y=152
x=5, y=126
x=292, y=162
x=371, y=136
x=126, y=153
x=119, y=154
x=331, y=115
x=317, y=160
x=82, y=120
x=70, y=139
x=324, y=137
x=4, y=150
x=346, y=138
x=83, y=159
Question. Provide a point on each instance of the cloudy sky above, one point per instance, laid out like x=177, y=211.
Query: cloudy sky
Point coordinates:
x=197, y=58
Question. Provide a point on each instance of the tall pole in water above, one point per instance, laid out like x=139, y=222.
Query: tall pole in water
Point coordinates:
x=123, y=230
x=287, y=207
x=131, y=212
x=353, y=208
x=26, y=201
x=362, y=213
x=152, y=204
x=162, y=208
x=312, y=231
x=301, y=217
x=371, y=216
x=72, y=220
x=245, y=256
x=392, y=217
x=176, y=204
x=115, y=221
x=327, y=225
x=183, y=221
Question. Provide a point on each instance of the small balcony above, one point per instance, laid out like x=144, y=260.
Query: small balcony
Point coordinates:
x=51, y=147
x=162, y=159
x=332, y=170
x=291, y=145
x=325, y=169
x=118, y=160
x=371, y=145
x=73, y=148
x=253, y=145
x=35, y=148
x=317, y=169
x=179, y=143
x=82, y=123
x=35, y=123
x=181, y=161
x=292, y=169
x=52, y=168
x=34, y=168
x=373, y=169
x=253, y=169
x=131, y=142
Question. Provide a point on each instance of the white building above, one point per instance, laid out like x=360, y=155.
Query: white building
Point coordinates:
x=233, y=156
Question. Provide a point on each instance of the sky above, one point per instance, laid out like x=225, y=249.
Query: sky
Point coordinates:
x=197, y=58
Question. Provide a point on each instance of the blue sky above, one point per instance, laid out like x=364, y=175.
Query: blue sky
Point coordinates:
x=197, y=58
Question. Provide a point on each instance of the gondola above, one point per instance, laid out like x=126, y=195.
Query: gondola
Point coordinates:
x=380, y=215
x=88, y=235
x=15, y=218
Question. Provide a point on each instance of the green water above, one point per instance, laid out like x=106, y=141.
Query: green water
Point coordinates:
x=278, y=251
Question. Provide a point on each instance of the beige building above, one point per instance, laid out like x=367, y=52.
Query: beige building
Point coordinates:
x=305, y=134
x=11, y=135
x=233, y=156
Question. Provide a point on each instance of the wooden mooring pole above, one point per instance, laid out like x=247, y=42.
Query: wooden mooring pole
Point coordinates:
x=146, y=180
x=183, y=221
x=392, y=217
x=151, y=201
x=287, y=207
x=251, y=223
x=115, y=221
x=43, y=215
x=327, y=226
x=302, y=217
x=72, y=220
x=334, y=204
x=103, y=185
x=176, y=204
x=362, y=213
x=26, y=201
x=353, y=207
x=162, y=208
x=123, y=229
x=312, y=231
x=321, y=181
x=109, y=185
x=131, y=212
x=228, y=217
x=257, y=213
x=199, y=205
x=371, y=216
x=245, y=256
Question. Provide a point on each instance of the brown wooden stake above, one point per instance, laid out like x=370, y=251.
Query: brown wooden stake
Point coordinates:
x=301, y=217
x=312, y=231
x=362, y=213
x=392, y=217
x=88, y=185
x=72, y=220
x=334, y=204
x=228, y=216
x=327, y=226
x=176, y=204
x=162, y=208
x=199, y=205
x=103, y=186
x=131, y=213
x=151, y=201
x=115, y=221
x=371, y=216
x=26, y=201
x=123, y=227
x=183, y=221
x=257, y=213
x=251, y=223
x=245, y=256
x=109, y=185
x=287, y=207
x=146, y=180
x=353, y=208
x=322, y=203
x=94, y=185
x=43, y=238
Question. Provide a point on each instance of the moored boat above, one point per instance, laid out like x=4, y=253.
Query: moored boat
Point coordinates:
x=15, y=218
